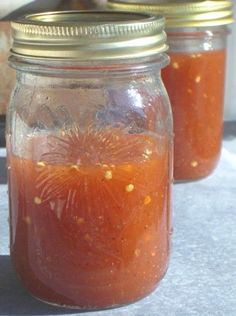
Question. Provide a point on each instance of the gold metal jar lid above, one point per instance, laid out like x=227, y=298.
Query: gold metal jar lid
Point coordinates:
x=180, y=13
x=88, y=35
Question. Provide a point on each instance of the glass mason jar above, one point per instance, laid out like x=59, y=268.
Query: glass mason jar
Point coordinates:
x=89, y=145
x=195, y=79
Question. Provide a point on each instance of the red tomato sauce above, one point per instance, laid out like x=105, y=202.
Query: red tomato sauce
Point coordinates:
x=92, y=231
x=195, y=84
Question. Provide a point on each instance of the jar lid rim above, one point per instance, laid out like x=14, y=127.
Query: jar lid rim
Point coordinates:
x=89, y=35
x=182, y=13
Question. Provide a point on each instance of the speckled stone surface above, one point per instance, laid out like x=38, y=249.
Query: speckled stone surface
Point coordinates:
x=201, y=279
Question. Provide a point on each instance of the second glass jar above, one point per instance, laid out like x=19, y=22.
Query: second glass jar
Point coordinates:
x=195, y=79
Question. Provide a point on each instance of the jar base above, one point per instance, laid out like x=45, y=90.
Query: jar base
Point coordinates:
x=97, y=308
x=176, y=181
x=202, y=175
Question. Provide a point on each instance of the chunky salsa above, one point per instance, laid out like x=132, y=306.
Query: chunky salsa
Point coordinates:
x=195, y=84
x=90, y=216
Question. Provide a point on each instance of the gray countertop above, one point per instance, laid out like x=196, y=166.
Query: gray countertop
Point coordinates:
x=201, y=279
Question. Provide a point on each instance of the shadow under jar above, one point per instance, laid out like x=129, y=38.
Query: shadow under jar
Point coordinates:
x=195, y=79
x=89, y=146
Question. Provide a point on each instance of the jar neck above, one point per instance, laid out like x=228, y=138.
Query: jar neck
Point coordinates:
x=197, y=39
x=73, y=68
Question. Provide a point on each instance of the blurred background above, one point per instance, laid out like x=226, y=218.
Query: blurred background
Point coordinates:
x=12, y=9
